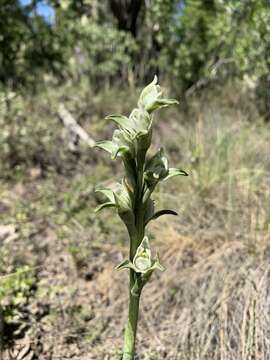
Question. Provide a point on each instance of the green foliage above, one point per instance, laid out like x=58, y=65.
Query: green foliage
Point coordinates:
x=30, y=135
x=27, y=46
x=95, y=50
x=124, y=43
x=216, y=39
x=15, y=290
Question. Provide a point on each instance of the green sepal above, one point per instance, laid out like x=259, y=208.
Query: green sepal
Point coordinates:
x=140, y=121
x=122, y=151
x=161, y=103
x=120, y=120
x=156, y=169
x=112, y=148
x=123, y=197
x=160, y=213
x=175, y=172
x=105, y=205
x=143, y=143
x=156, y=265
x=108, y=146
x=125, y=264
x=107, y=192
x=123, y=143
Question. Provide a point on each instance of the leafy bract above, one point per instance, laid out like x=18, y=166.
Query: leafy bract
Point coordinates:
x=175, y=172
x=103, y=206
x=160, y=213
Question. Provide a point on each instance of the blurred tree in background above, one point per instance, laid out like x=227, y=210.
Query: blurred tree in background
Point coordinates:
x=104, y=43
x=220, y=39
x=27, y=45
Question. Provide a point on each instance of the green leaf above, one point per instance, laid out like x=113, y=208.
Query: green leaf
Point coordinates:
x=160, y=213
x=103, y=206
x=175, y=172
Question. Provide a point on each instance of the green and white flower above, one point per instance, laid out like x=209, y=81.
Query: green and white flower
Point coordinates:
x=142, y=263
x=150, y=100
x=121, y=145
x=156, y=168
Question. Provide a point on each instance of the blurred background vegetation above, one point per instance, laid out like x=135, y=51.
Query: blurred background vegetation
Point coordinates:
x=124, y=43
x=59, y=297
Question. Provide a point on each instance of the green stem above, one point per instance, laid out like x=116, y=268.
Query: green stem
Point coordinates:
x=131, y=327
x=135, y=240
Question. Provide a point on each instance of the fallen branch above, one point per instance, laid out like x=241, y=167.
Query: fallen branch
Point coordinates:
x=73, y=127
x=213, y=75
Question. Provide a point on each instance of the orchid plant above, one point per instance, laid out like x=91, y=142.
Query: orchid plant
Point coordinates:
x=132, y=196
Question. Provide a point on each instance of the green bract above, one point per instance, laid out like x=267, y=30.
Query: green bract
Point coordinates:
x=132, y=196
